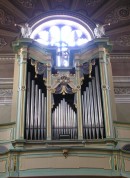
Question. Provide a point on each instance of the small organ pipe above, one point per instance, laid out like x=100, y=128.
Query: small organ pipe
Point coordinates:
x=92, y=112
x=36, y=111
x=64, y=121
x=99, y=101
x=28, y=107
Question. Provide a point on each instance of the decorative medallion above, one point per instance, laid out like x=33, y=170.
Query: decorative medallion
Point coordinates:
x=120, y=13
x=26, y=3
x=2, y=42
x=123, y=40
x=6, y=19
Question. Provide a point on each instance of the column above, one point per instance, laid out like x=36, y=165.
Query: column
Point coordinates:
x=22, y=61
x=105, y=87
x=79, y=110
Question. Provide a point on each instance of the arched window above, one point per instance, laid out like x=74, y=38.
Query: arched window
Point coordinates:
x=62, y=34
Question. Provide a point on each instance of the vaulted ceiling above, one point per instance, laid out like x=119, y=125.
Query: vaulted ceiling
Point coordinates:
x=117, y=12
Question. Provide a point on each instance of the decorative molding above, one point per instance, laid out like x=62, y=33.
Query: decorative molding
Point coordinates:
x=6, y=81
x=10, y=57
x=119, y=14
x=26, y=3
x=121, y=79
x=92, y=2
x=6, y=96
x=122, y=99
x=13, y=9
x=6, y=91
x=123, y=41
x=122, y=90
x=8, y=33
x=6, y=19
x=2, y=42
x=120, y=57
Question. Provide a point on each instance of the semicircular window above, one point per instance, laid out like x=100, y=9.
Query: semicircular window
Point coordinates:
x=63, y=34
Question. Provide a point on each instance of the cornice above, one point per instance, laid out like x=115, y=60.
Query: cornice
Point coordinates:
x=8, y=33
x=120, y=57
x=121, y=79
x=7, y=58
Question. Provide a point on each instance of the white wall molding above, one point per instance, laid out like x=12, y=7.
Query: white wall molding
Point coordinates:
x=7, y=58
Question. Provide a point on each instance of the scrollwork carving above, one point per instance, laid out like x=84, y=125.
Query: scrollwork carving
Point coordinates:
x=92, y=2
x=122, y=90
x=6, y=19
x=6, y=92
x=120, y=13
x=26, y=3
x=2, y=42
x=123, y=40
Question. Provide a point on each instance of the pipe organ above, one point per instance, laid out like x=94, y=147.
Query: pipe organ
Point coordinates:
x=61, y=104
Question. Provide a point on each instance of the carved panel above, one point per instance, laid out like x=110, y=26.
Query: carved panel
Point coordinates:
x=123, y=40
x=122, y=91
x=6, y=92
x=2, y=42
x=6, y=19
x=120, y=13
x=26, y=3
x=92, y=2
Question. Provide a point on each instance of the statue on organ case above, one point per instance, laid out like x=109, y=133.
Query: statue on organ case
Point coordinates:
x=25, y=30
x=99, y=31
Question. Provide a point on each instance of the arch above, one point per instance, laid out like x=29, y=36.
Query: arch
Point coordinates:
x=43, y=25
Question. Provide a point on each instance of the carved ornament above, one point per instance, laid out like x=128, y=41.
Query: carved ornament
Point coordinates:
x=6, y=19
x=123, y=40
x=26, y=3
x=92, y=2
x=122, y=90
x=2, y=42
x=120, y=13
x=63, y=83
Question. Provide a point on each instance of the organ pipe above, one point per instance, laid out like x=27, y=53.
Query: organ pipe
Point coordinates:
x=64, y=121
x=92, y=112
x=36, y=111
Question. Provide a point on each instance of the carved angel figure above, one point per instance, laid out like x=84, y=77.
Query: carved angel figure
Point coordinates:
x=25, y=30
x=99, y=31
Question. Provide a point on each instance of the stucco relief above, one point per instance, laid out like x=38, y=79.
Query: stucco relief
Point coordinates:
x=6, y=19
x=122, y=90
x=6, y=92
x=92, y=2
x=26, y=3
x=123, y=40
x=120, y=13
x=2, y=42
